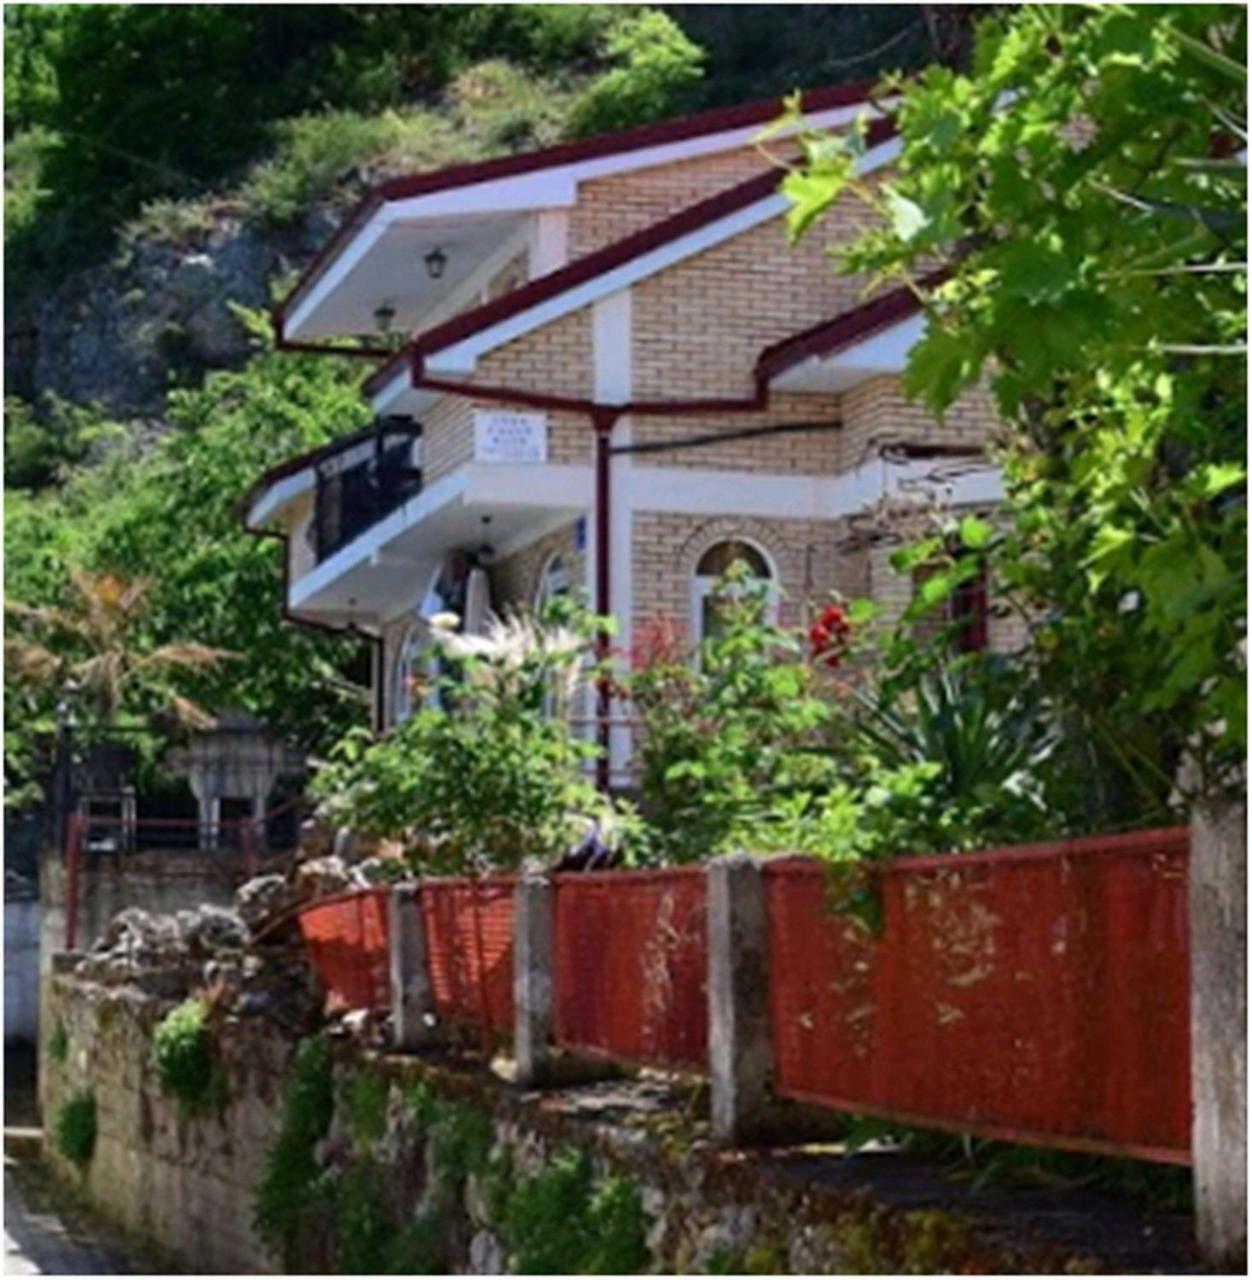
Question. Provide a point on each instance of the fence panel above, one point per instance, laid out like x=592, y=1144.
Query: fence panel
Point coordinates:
x=469, y=941
x=630, y=955
x=347, y=940
x=1037, y=994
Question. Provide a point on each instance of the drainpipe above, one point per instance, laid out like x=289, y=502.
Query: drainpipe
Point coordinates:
x=603, y=419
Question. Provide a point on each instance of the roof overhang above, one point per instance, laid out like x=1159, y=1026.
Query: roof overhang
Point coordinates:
x=452, y=349
x=884, y=352
x=863, y=342
x=472, y=210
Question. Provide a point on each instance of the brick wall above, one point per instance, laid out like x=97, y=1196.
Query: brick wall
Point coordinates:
x=610, y=208
x=515, y=578
x=810, y=557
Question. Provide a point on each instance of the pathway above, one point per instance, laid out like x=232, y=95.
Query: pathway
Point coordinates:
x=46, y=1234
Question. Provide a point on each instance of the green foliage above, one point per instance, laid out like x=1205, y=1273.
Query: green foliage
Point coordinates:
x=39, y=447
x=419, y=1248
x=492, y=106
x=363, y=1227
x=459, y=1134
x=563, y=1221
x=657, y=68
x=184, y=1053
x=58, y=1043
x=289, y=1188
x=1082, y=180
x=171, y=517
x=730, y=740
x=367, y=1108
x=76, y=1127
x=492, y=776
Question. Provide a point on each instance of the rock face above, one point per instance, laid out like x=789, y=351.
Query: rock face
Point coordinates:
x=161, y=311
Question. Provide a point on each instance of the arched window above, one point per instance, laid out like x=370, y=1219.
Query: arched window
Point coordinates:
x=409, y=668
x=712, y=567
x=554, y=582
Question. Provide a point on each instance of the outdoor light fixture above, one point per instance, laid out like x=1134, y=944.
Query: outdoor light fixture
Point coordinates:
x=384, y=316
x=436, y=260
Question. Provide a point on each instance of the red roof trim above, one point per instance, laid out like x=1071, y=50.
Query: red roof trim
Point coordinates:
x=600, y=261
x=849, y=327
x=623, y=141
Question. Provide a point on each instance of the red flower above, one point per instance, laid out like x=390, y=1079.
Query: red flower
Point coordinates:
x=829, y=635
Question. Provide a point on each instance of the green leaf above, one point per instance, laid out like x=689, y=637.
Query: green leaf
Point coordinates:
x=907, y=218
x=975, y=533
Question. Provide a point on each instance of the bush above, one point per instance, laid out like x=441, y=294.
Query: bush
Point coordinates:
x=183, y=1051
x=289, y=1187
x=658, y=67
x=730, y=738
x=563, y=1221
x=493, y=777
x=76, y=1127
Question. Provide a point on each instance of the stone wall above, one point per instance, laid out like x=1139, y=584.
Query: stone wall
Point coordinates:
x=435, y=1165
x=159, y=882
x=184, y=1183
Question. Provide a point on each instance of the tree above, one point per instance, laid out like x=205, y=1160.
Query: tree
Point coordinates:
x=171, y=517
x=1085, y=185
x=1081, y=185
x=97, y=642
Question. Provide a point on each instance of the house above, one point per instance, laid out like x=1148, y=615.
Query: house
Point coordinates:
x=617, y=376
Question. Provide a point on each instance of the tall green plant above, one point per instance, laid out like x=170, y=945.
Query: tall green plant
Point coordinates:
x=729, y=733
x=492, y=775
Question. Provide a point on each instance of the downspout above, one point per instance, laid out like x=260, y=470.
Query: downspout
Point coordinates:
x=603, y=420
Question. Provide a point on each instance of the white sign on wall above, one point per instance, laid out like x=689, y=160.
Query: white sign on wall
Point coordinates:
x=503, y=435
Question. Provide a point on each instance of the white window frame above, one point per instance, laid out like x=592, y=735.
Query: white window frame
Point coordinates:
x=703, y=585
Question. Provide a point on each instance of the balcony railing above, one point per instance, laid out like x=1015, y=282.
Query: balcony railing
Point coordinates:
x=373, y=474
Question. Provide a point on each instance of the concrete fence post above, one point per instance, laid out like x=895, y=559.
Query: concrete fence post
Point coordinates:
x=532, y=980
x=412, y=1001
x=740, y=1055
x=1219, y=1047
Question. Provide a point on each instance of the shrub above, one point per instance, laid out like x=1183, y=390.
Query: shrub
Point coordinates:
x=564, y=1221
x=495, y=775
x=183, y=1050
x=287, y=1192
x=730, y=739
x=76, y=1127
x=657, y=66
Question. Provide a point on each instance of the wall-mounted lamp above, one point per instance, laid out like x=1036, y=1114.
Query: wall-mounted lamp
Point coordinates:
x=384, y=316
x=436, y=261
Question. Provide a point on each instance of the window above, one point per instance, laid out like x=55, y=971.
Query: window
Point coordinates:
x=712, y=567
x=409, y=668
x=554, y=583
x=963, y=619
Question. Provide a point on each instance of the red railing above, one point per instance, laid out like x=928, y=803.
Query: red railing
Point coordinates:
x=1035, y=994
x=469, y=944
x=347, y=939
x=630, y=956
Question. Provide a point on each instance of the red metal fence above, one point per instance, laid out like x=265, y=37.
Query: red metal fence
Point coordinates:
x=469, y=942
x=1035, y=994
x=347, y=940
x=630, y=956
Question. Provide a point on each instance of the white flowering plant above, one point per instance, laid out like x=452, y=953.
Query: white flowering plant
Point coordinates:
x=493, y=776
